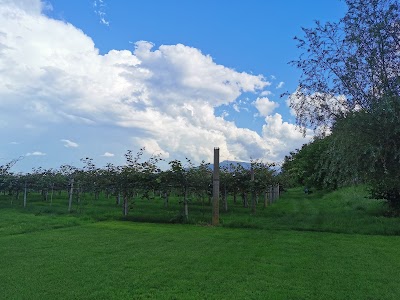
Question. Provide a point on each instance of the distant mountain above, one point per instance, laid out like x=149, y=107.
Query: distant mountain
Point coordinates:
x=228, y=163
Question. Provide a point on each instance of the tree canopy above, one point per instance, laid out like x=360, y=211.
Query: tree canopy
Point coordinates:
x=350, y=84
x=348, y=65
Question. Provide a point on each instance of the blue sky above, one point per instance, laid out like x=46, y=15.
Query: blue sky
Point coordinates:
x=85, y=78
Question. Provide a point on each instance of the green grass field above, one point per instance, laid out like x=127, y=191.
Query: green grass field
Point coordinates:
x=320, y=246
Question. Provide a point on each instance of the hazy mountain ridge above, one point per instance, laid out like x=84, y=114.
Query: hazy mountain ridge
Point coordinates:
x=228, y=163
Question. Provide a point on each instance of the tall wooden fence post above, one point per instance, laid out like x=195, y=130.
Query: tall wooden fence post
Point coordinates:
x=185, y=203
x=25, y=192
x=253, y=192
x=71, y=192
x=278, y=194
x=265, y=198
x=215, y=204
x=125, y=206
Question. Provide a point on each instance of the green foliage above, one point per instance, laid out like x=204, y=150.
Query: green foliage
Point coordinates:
x=347, y=210
x=303, y=167
x=348, y=65
x=351, y=83
x=138, y=178
x=366, y=146
x=344, y=211
x=264, y=176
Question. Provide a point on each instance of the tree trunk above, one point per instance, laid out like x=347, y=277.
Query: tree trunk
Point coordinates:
x=118, y=199
x=244, y=199
x=78, y=192
x=16, y=197
x=225, y=198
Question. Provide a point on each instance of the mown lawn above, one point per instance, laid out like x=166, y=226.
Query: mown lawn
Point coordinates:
x=124, y=260
x=301, y=247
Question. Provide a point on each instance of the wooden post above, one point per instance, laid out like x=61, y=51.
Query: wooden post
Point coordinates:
x=277, y=191
x=52, y=193
x=265, y=199
x=119, y=198
x=25, y=191
x=125, y=204
x=71, y=191
x=185, y=204
x=225, y=198
x=253, y=192
x=165, y=196
x=215, y=204
x=270, y=194
x=244, y=199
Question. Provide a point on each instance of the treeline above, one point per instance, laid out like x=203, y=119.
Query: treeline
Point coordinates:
x=144, y=179
x=362, y=149
x=350, y=84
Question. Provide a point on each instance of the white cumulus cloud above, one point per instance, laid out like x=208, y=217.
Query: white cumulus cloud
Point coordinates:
x=108, y=154
x=163, y=98
x=69, y=144
x=266, y=93
x=281, y=135
x=265, y=106
x=36, y=153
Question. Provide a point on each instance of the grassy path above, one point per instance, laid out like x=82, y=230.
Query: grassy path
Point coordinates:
x=123, y=260
x=343, y=211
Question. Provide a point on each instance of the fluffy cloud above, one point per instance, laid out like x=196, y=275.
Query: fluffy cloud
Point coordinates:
x=69, y=144
x=162, y=98
x=282, y=136
x=265, y=106
x=266, y=93
x=36, y=153
x=108, y=154
x=30, y=6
